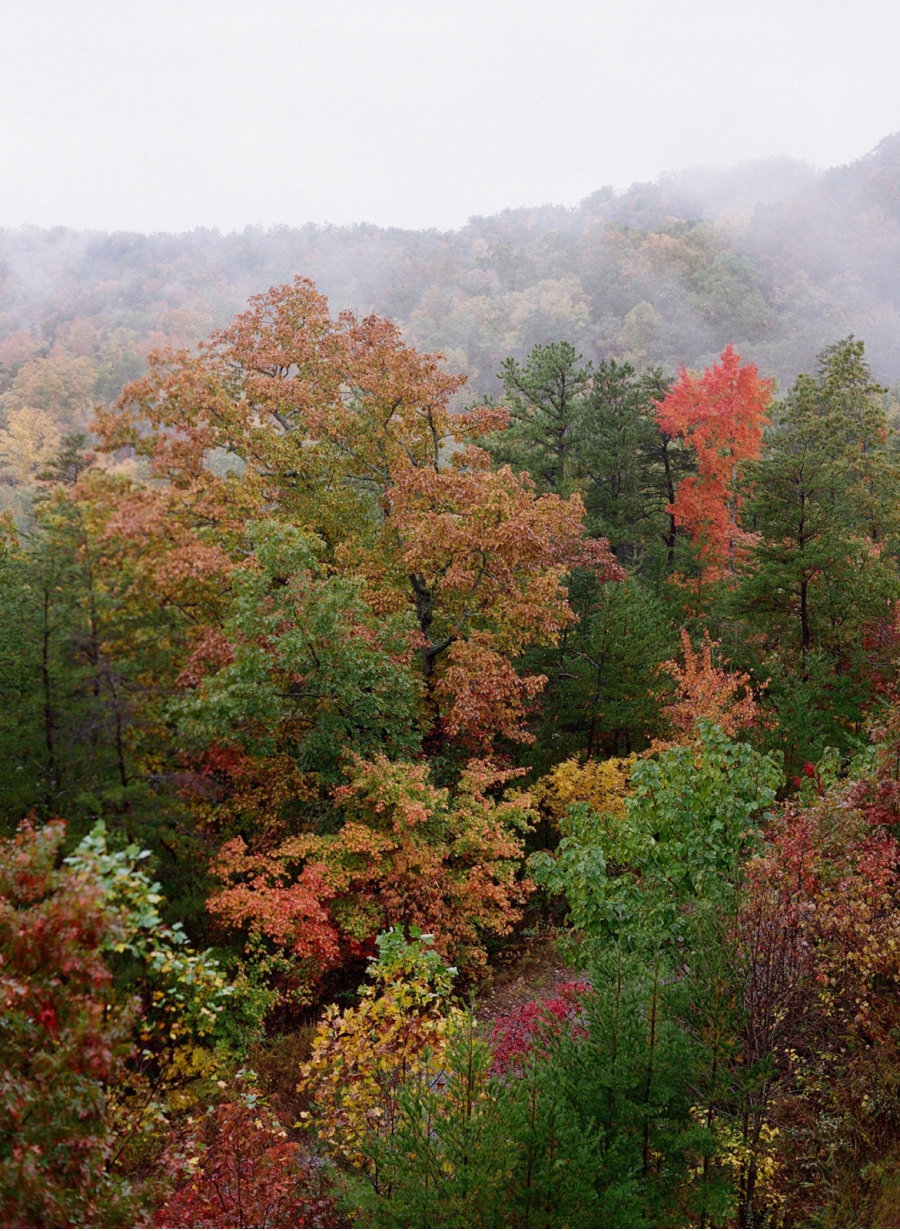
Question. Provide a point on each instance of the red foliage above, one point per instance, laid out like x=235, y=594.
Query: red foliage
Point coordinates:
x=722, y=414
x=514, y=1036
x=65, y=1038
x=239, y=1170
x=818, y=939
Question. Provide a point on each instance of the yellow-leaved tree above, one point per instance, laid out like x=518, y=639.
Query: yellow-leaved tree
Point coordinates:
x=604, y=785
x=363, y=1056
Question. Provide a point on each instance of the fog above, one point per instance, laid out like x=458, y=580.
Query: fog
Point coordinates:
x=717, y=172
x=223, y=113
x=771, y=255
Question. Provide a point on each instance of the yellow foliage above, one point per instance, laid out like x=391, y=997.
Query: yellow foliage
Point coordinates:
x=604, y=785
x=736, y=1155
x=362, y=1057
x=29, y=442
x=187, y=1075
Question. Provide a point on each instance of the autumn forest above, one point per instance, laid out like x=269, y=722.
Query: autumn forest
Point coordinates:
x=450, y=728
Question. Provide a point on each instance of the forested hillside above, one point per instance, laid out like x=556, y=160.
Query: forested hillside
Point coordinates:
x=429, y=801
x=770, y=256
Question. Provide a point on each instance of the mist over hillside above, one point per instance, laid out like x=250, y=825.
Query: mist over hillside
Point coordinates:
x=771, y=255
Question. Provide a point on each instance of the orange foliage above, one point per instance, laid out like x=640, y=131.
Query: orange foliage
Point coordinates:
x=482, y=695
x=406, y=854
x=339, y=428
x=292, y=911
x=707, y=691
x=722, y=414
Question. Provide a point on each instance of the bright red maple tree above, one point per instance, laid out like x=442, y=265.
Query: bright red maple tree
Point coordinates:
x=721, y=413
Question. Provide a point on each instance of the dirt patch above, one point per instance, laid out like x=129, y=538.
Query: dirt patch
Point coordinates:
x=533, y=973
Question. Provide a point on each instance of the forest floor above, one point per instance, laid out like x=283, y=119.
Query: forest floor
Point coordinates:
x=531, y=971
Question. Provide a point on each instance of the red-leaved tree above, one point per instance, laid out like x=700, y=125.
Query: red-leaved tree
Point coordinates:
x=721, y=414
x=64, y=1040
x=236, y=1167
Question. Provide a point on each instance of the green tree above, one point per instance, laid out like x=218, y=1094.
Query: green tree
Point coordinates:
x=822, y=577
x=630, y=467
x=309, y=670
x=642, y=881
x=604, y=690
x=655, y=890
x=546, y=400
x=592, y=1127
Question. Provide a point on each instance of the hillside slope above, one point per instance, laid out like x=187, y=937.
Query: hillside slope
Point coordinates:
x=772, y=256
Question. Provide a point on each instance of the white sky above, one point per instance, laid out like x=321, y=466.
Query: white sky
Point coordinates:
x=168, y=114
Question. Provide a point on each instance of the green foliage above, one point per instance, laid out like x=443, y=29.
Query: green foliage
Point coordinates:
x=414, y=962
x=546, y=398
x=312, y=671
x=822, y=578
x=610, y=1120
x=593, y=429
x=596, y=1129
x=45, y=714
x=639, y=879
x=605, y=690
x=630, y=468
x=184, y=992
x=450, y=1155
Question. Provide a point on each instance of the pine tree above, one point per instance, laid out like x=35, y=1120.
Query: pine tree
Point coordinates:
x=546, y=400
x=822, y=577
x=629, y=466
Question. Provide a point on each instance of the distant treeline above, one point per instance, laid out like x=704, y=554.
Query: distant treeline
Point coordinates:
x=770, y=256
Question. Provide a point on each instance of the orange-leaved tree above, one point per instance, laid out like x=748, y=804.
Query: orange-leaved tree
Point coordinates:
x=406, y=854
x=338, y=429
x=721, y=414
x=705, y=690
x=337, y=572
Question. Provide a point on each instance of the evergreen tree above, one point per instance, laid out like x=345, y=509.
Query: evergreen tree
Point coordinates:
x=546, y=399
x=630, y=467
x=822, y=577
x=604, y=689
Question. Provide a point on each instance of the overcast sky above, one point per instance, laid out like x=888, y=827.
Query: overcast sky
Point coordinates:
x=169, y=114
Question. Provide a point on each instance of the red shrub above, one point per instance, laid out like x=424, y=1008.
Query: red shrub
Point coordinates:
x=240, y=1170
x=514, y=1035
